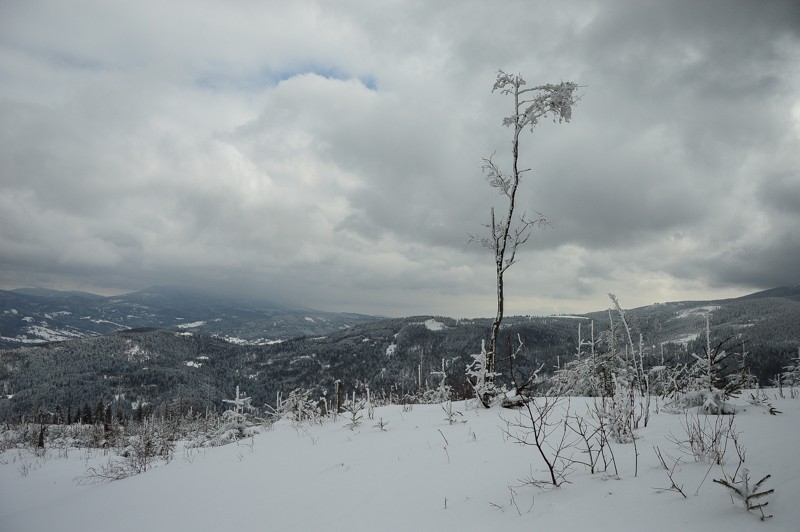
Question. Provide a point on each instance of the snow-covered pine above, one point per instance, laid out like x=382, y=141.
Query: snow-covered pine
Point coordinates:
x=240, y=403
x=711, y=383
x=354, y=408
x=235, y=424
x=452, y=415
x=791, y=373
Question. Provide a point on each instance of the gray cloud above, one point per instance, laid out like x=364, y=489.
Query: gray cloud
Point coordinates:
x=330, y=154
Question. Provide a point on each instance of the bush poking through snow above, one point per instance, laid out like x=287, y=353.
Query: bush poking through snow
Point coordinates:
x=543, y=424
x=298, y=406
x=706, y=438
x=670, y=471
x=619, y=412
x=760, y=399
x=452, y=415
x=594, y=443
x=145, y=447
x=442, y=392
x=748, y=493
x=235, y=427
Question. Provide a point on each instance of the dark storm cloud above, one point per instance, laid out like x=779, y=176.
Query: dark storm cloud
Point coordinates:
x=330, y=154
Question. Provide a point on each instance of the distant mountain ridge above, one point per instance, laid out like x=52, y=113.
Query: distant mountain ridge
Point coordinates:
x=47, y=292
x=788, y=292
x=31, y=316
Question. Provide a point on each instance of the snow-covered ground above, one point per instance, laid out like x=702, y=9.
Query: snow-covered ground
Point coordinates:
x=434, y=325
x=422, y=473
x=697, y=311
x=192, y=325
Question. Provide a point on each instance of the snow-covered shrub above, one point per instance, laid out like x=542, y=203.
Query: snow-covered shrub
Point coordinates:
x=712, y=379
x=298, y=406
x=706, y=437
x=760, y=399
x=593, y=442
x=618, y=412
x=145, y=445
x=11, y=437
x=480, y=378
x=709, y=401
x=441, y=393
x=612, y=355
x=234, y=427
x=585, y=376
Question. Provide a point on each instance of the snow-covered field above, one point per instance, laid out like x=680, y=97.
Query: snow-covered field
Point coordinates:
x=421, y=473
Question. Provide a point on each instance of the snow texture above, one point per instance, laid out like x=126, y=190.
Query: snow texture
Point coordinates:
x=434, y=325
x=421, y=473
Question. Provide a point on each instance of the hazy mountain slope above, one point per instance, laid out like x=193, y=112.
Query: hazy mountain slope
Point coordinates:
x=36, y=316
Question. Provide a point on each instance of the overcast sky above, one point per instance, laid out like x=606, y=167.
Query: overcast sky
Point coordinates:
x=329, y=153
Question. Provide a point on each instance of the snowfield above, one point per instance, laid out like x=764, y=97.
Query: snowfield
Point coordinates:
x=192, y=325
x=421, y=473
x=697, y=311
x=434, y=325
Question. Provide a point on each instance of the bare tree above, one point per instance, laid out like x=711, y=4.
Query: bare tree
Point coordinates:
x=506, y=235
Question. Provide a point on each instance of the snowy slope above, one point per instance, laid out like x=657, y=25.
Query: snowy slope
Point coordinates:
x=420, y=474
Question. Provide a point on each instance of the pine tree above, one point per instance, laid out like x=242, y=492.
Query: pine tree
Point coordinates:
x=99, y=412
x=791, y=374
x=86, y=418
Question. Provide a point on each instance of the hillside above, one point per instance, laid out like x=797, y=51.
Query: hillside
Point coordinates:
x=37, y=316
x=155, y=365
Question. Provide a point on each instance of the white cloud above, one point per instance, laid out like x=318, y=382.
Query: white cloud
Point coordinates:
x=330, y=153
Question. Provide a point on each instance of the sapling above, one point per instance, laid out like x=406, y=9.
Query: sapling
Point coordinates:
x=593, y=441
x=670, y=471
x=748, y=493
x=453, y=416
x=354, y=409
x=539, y=426
x=506, y=235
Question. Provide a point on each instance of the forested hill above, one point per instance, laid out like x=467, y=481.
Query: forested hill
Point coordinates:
x=767, y=322
x=157, y=365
